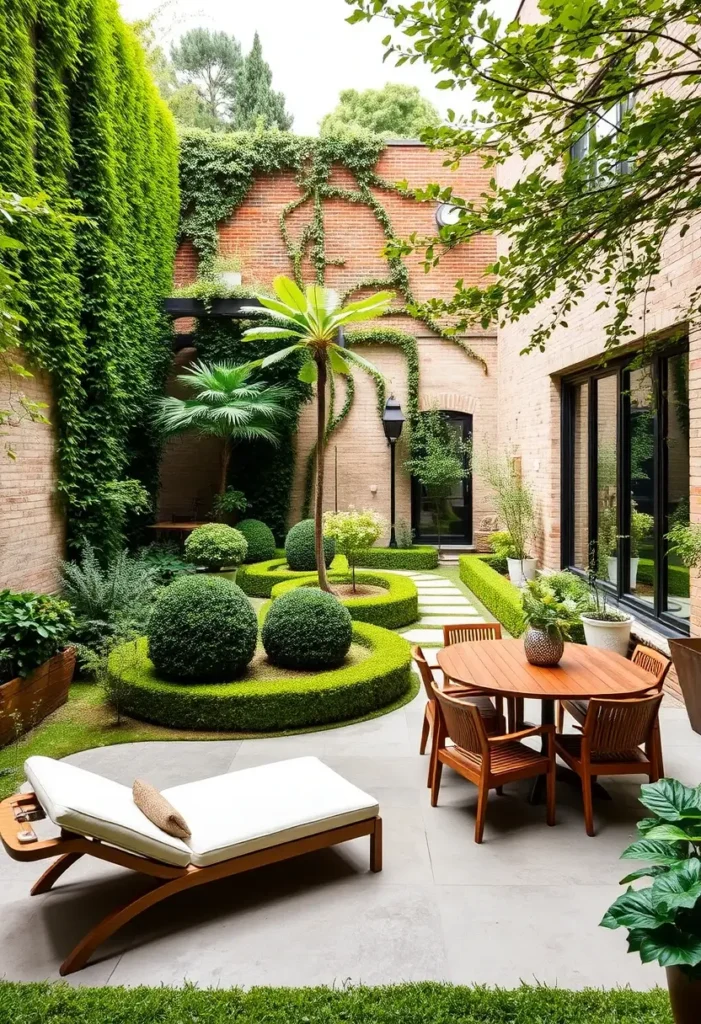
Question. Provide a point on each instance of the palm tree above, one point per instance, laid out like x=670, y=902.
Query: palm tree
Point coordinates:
x=226, y=404
x=314, y=319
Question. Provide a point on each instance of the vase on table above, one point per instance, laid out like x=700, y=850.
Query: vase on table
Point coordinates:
x=543, y=649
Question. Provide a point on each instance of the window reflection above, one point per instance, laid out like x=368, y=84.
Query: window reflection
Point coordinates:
x=606, y=456
x=581, y=459
x=641, y=440
x=677, y=497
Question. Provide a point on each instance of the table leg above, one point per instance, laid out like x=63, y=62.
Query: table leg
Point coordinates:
x=563, y=774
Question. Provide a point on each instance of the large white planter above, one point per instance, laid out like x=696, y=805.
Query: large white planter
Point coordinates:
x=613, y=571
x=230, y=278
x=608, y=636
x=521, y=569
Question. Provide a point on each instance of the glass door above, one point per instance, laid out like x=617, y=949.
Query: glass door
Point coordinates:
x=450, y=516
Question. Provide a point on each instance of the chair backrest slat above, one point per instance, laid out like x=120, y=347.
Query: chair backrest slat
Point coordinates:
x=616, y=726
x=652, y=661
x=424, y=670
x=463, y=722
x=463, y=633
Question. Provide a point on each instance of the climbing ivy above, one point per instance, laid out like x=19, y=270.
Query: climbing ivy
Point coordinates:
x=80, y=119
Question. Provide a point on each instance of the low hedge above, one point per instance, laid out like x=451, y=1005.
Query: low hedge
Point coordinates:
x=497, y=593
x=251, y=705
x=398, y=607
x=258, y=579
x=420, y=556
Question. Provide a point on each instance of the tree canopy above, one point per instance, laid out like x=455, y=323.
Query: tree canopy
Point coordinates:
x=211, y=61
x=256, y=102
x=601, y=98
x=399, y=111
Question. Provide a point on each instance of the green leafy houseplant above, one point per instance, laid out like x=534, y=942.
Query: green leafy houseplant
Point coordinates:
x=546, y=611
x=216, y=546
x=33, y=628
x=314, y=318
x=353, y=531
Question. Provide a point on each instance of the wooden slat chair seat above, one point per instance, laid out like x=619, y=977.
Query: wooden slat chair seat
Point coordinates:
x=487, y=761
x=610, y=744
x=471, y=631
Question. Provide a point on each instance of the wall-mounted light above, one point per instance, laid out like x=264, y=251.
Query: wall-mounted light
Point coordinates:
x=447, y=215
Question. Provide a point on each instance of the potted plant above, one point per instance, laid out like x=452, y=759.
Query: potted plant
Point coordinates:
x=549, y=619
x=227, y=505
x=516, y=509
x=663, y=918
x=36, y=665
x=227, y=271
x=604, y=627
x=685, y=541
x=640, y=525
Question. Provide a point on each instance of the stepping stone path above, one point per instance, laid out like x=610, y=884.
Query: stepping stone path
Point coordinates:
x=441, y=603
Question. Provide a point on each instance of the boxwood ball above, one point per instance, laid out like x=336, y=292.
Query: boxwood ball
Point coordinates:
x=260, y=540
x=203, y=629
x=307, y=629
x=299, y=547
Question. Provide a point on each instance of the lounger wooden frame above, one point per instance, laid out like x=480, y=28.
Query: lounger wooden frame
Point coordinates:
x=69, y=847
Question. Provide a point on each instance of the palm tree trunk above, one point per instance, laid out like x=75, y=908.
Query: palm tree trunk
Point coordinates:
x=320, y=452
x=225, y=459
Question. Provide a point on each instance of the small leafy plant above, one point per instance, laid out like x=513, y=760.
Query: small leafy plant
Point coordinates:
x=165, y=561
x=33, y=627
x=502, y=544
x=664, y=918
x=598, y=609
x=216, y=546
x=227, y=506
x=353, y=531
x=640, y=526
x=545, y=610
x=685, y=541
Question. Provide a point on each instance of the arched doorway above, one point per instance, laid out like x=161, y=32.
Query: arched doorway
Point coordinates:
x=456, y=520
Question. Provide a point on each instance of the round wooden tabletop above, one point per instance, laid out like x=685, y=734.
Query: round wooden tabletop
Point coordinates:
x=500, y=667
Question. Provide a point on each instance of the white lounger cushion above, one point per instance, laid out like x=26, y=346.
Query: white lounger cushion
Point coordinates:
x=90, y=805
x=257, y=808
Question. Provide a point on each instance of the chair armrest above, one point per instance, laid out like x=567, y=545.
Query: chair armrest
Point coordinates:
x=536, y=730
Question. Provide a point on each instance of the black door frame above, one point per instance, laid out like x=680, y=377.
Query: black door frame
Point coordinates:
x=448, y=538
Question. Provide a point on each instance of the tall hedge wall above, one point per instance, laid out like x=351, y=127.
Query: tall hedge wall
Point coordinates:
x=81, y=120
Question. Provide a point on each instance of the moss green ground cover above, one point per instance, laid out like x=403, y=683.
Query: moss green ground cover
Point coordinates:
x=425, y=1003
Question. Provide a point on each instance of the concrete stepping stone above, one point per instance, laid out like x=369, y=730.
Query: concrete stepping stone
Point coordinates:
x=431, y=637
x=440, y=599
x=448, y=620
x=448, y=613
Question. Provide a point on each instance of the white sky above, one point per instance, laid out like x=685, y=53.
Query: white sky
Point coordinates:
x=311, y=49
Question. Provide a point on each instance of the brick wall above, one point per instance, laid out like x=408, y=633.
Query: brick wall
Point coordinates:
x=352, y=234
x=31, y=524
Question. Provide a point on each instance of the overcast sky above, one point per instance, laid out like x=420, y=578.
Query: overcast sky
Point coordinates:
x=311, y=49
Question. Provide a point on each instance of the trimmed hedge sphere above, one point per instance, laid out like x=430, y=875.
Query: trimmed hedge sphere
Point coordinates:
x=307, y=629
x=299, y=547
x=216, y=546
x=202, y=629
x=260, y=540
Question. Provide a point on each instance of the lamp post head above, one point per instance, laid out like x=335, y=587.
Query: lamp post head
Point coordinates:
x=392, y=419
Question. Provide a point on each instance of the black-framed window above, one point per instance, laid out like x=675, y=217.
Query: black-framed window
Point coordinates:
x=625, y=479
x=606, y=122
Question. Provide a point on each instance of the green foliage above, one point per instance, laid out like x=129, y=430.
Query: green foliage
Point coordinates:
x=216, y=546
x=257, y=105
x=395, y=111
x=514, y=498
x=226, y=506
x=299, y=548
x=307, y=629
x=501, y=544
x=685, y=542
x=210, y=61
x=258, y=580
x=418, y=556
x=677, y=577
x=33, y=627
x=398, y=607
x=80, y=120
x=495, y=592
x=166, y=561
x=203, y=629
x=438, y=460
x=259, y=538
x=546, y=610
x=352, y=532
x=411, y=1003
x=261, y=705
x=664, y=918
x=404, y=533
x=641, y=525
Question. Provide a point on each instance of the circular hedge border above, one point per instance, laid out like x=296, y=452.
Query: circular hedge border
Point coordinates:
x=258, y=579
x=398, y=607
x=417, y=557
x=265, y=706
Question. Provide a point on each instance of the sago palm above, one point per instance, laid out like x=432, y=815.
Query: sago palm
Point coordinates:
x=227, y=404
x=314, y=319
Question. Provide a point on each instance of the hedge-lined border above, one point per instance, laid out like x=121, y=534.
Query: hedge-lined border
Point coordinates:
x=398, y=607
x=420, y=556
x=263, y=706
x=259, y=578
x=496, y=592
x=677, y=577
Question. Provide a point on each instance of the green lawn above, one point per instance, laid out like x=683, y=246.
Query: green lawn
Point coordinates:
x=426, y=1003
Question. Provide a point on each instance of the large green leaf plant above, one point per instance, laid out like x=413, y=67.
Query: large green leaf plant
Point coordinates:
x=664, y=918
x=314, y=318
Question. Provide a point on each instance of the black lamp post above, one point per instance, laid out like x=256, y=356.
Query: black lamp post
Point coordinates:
x=392, y=421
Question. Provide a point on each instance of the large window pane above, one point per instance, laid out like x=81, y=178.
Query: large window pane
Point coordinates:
x=606, y=459
x=677, y=476
x=580, y=411
x=641, y=438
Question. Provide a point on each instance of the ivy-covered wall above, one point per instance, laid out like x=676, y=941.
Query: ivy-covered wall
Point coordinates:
x=81, y=120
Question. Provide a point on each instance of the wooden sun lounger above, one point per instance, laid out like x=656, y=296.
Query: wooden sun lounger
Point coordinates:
x=69, y=847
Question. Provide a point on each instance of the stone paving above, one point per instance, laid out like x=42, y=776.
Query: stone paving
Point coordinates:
x=441, y=603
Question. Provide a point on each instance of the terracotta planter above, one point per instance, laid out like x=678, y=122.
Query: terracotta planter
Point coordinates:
x=26, y=702
x=686, y=655
x=542, y=649
x=684, y=995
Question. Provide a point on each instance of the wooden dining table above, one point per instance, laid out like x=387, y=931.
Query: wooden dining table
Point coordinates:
x=500, y=667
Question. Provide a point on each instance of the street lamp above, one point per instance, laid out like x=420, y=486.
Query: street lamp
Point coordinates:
x=392, y=422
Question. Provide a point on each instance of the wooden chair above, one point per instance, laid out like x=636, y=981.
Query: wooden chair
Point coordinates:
x=492, y=713
x=650, y=660
x=464, y=633
x=612, y=734
x=487, y=761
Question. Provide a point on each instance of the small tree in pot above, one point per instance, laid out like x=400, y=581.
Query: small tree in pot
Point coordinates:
x=604, y=627
x=516, y=509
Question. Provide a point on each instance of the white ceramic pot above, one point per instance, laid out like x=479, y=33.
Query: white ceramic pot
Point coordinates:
x=230, y=278
x=613, y=571
x=521, y=569
x=609, y=636
x=634, y=563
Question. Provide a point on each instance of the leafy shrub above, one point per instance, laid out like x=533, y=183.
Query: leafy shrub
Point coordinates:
x=260, y=540
x=33, y=627
x=307, y=629
x=545, y=609
x=258, y=579
x=265, y=705
x=216, y=546
x=353, y=531
x=203, y=629
x=417, y=557
x=495, y=592
x=226, y=506
x=404, y=533
x=299, y=548
x=397, y=607
x=166, y=562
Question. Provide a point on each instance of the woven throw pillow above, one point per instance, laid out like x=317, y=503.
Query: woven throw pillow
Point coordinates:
x=157, y=809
